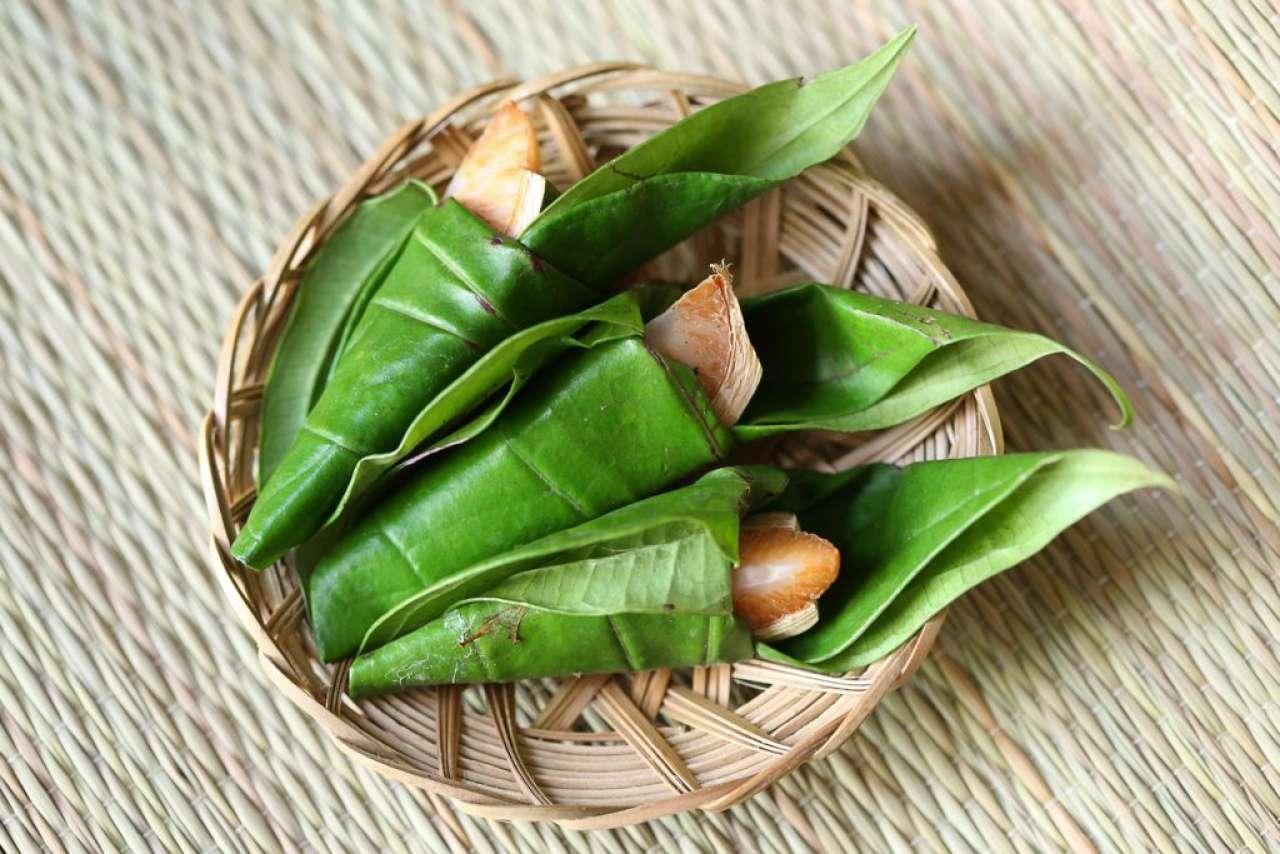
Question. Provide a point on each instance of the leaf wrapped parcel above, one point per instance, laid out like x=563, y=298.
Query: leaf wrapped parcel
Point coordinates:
x=598, y=430
x=773, y=132
x=840, y=360
x=614, y=429
x=456, y=290
x=446, y=301
x=913, y=539
x=346, y=270
x=642, y=587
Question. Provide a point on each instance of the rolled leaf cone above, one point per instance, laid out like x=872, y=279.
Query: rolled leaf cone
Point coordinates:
x=455, y=292
x=606, y=225
x=701, y=345
x=913, y=539
x=500, y=642
x=596, y=431
x=663, y=535
x=345, y=271
x=836, y=359
x=642, y=587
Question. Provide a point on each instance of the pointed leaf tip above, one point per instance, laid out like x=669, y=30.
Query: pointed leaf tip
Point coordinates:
x=773, y=132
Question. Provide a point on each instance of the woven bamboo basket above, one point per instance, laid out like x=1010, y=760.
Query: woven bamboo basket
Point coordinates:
x=596, y=751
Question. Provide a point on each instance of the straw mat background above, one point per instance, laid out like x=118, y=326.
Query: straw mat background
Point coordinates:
x=1110, y=177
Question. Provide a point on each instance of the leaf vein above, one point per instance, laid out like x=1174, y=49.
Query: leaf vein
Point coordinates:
x=424, y=319
x=546, y=481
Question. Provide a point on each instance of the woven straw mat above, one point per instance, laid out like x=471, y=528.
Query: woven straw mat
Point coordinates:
x=1109, y=177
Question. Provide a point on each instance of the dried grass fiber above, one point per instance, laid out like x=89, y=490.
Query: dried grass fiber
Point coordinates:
x=1108, y=176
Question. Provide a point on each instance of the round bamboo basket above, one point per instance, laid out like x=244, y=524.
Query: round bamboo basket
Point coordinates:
x=596, y=751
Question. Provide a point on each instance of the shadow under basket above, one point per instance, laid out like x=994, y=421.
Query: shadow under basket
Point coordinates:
x=596, y=751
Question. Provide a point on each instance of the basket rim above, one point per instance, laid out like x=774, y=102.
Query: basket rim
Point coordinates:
x=265, y=303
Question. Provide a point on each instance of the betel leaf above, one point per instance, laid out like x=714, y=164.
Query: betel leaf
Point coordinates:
x=454, y=293
x=857, y=353
x=658, y=571
x=497, y=377
x=352, y=321
x=654, y=195
x=888, y=522
x=599, y=429
x=351, y=263
x=914, y=539
x=499, y=642
x=502, y=371
x=865, y=363
x=659, y=531
x=773, y=132
x=911, y=539
x=1051, y=500
x=633, y=603
x=601, y=239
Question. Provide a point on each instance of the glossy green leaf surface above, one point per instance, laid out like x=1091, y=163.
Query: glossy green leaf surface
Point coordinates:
x=773, y=132
x=660, y=531
x=351, y=263
x=552, y=460
x=836, y=359
x=504, y=369
x=500, y=642
x=644, y=586
x=455, y=292
x=601, y=239
x=656, y=194
x=913, y=539
x=652, y=573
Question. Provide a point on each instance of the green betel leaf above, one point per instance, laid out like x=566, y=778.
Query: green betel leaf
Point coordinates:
x=658, y=571
x=773, y=132
x=454, y=293
x=601, y=239
x=914, y=539
x=499, y=642
x=504, y=369
x=350, y=265
x=888, y=523
x=633, y=605
x=659, y=530
x=596, y=431
x=1051, y=500
x=865, y=363
x=651, y=197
